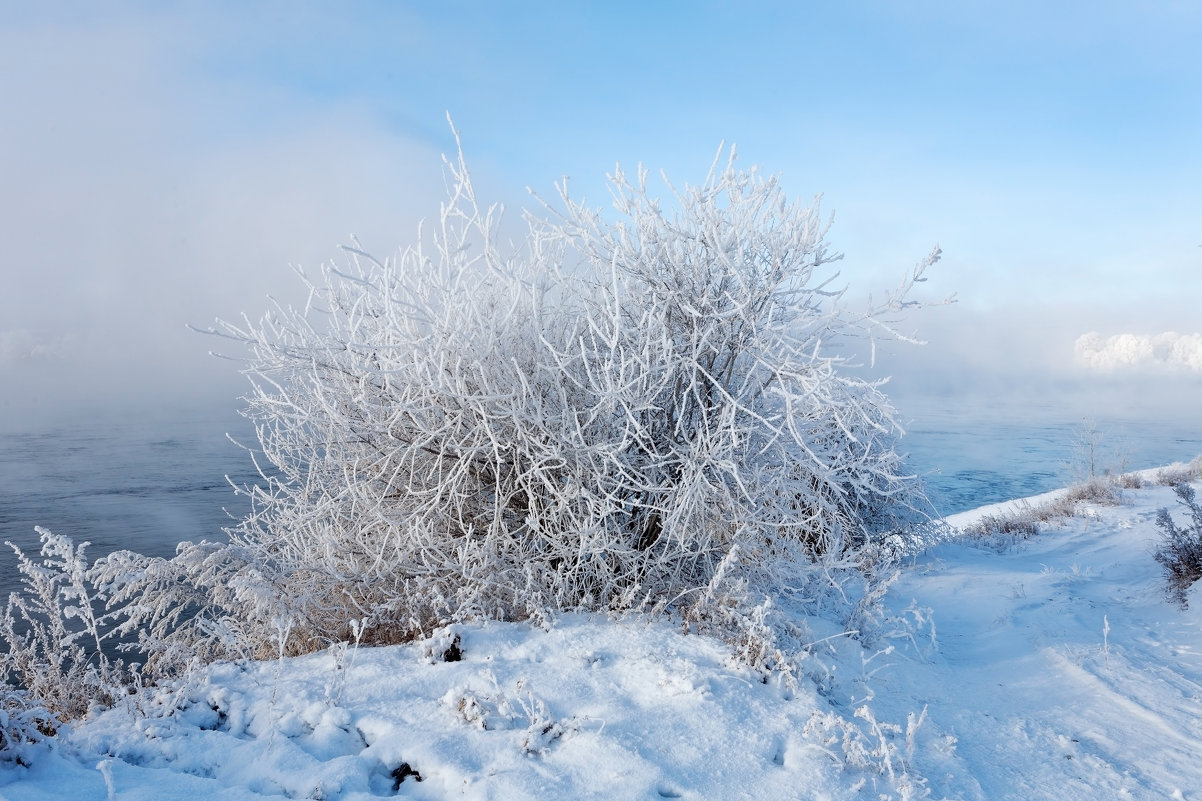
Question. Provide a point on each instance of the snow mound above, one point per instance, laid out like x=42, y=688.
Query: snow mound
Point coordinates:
x=590, y=708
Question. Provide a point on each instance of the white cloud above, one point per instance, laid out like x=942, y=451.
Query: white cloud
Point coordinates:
x=1170, y=349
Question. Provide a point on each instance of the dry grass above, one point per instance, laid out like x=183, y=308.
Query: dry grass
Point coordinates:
x=1028, y=519
x=1179, y=473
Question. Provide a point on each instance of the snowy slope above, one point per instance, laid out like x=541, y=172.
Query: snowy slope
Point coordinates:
x=1057, y=669
x=1062, y=670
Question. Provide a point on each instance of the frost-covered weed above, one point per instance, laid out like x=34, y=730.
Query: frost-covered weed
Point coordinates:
x=1102, y=490
x=864, y=743
x=61, y=632
x=519, y=708
x=55, y=632
x=210, y=601
x=1180, y=552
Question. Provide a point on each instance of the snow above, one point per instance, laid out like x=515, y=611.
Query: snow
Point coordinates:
x=1050, y=668
x=1062, y=670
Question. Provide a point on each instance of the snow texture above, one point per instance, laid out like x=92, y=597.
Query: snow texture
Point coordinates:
x=1052, y=668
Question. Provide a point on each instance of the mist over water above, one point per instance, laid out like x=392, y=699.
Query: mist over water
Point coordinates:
x=122, y=482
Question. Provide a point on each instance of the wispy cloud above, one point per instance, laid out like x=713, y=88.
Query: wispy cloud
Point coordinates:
x=1169, y=349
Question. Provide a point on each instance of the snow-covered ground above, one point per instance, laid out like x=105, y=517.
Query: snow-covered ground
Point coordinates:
x=1054, y=668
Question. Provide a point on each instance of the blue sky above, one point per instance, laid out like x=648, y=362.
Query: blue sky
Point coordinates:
x=163, y=164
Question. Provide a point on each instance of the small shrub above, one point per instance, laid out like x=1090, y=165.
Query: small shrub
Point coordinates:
x=1087, y=463
x=1096, y=454
x=210, y=601
x=60, y=633
x=1180, y=552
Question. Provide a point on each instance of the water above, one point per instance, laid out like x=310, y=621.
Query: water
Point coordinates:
x=137, y=484
x=967, y=460
x=146, y=485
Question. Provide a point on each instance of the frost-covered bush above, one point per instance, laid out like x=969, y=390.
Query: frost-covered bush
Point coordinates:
x=208, y=602
x=1180, y=552
x=601, y=417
